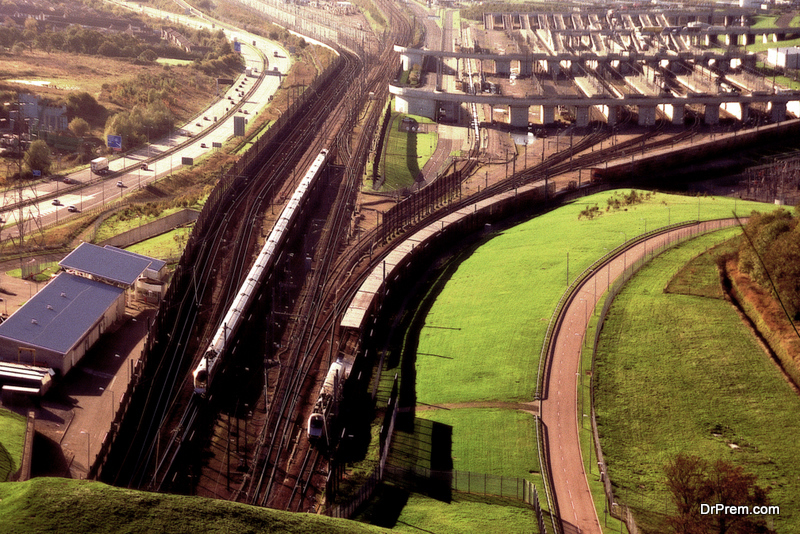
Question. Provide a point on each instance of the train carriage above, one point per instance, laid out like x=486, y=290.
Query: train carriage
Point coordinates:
x=203, y=374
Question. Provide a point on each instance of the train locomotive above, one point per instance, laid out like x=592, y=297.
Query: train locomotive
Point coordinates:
x=204, y=372
x=329, y=392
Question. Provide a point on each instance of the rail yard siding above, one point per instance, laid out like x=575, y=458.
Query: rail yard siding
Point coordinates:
x=465, y=220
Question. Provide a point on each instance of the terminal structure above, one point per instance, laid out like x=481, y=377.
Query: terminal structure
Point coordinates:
x=603, y=65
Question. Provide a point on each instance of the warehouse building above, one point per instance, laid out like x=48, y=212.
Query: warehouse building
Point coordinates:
x=59, y=325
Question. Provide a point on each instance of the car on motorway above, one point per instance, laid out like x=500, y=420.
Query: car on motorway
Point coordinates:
x=56, y=202
x=144, y=165
x=120, y=184
x=72, y=209
x=203, y=145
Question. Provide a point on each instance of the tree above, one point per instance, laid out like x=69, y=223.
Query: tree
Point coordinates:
x=37, y=157
x=693, y=482
x=79, y=127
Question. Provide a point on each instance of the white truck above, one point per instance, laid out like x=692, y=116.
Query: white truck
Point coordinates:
x=99, y=165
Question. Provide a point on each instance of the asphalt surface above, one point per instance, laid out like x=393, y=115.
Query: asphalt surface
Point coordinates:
x=559, y=407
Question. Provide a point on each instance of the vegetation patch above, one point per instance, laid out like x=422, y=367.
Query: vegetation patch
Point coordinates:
x=683, y=374
x=481, y=338
x=487, y=325
x=12, y=439
x=700, y=275
x=167, y=246
x=621, y=200
x=62, y=505
x=406, y=152
x=465, y=513
x=510, y=449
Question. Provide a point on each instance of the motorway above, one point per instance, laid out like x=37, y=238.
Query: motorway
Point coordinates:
x=162, y=157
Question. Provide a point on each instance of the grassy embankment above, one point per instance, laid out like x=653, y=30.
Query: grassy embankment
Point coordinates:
x=12, y=436
x=406, y=153
x=481, y=339
x=62, y=505
x=678, y=371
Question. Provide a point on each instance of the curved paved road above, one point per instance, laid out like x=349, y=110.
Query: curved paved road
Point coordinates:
x=559, y=410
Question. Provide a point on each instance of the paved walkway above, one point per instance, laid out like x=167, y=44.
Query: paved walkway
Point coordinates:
x=559, y=407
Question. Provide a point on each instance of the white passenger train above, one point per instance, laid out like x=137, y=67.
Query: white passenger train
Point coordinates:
x=226, y=331
x=331, y=388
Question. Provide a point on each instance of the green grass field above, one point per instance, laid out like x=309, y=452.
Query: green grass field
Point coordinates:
x=406, y=153
x=130, y=218
x=63, y=505
x=509, y=450
x=487, y=324
x=764, y=21
x=165, y=246
x=681, y=373
x=12, y=437
x=482, y=335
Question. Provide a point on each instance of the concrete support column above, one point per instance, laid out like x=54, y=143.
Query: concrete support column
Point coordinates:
x=518, y=116
x=647, y=115
x=729, y=39
x=548, y=114
x=678, y=113
x=502, y=66
x=745, y=113
x=711, y=114
x=778, y=111
x=612, y=115
x=582, y=116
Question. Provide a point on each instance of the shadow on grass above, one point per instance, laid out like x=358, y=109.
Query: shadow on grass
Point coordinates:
x=421, y=461
x=385, y=507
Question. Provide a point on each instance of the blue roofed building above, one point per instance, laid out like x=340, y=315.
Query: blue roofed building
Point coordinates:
x=61, y=322
x=59, y=325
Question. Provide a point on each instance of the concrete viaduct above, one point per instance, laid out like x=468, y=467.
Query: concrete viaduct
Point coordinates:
x=424, y=102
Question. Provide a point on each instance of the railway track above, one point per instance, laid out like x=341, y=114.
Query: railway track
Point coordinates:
x=168, y=410
x=276, y=467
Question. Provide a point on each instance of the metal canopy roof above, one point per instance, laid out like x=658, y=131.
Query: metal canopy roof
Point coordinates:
x=58, y=316
x=155, y=264
x=109, y=264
